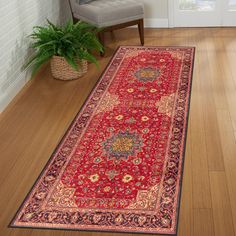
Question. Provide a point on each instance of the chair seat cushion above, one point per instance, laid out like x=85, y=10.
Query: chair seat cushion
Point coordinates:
x=105, y=13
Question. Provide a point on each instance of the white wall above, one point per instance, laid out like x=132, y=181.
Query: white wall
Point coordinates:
x=17, y=17
x=156, y=13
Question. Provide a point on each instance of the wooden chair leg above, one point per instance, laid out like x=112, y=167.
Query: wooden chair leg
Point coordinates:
x=141, y=31
x=75, y=20
x=101, y=39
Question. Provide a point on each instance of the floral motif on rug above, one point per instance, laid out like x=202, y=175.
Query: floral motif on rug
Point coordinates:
x=122, y=145
x=119, y=166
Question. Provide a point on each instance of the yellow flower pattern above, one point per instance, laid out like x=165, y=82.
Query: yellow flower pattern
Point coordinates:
x=94, y=178
x=127, y=178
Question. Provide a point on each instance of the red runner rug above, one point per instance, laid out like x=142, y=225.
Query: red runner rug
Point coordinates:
x=119, y=166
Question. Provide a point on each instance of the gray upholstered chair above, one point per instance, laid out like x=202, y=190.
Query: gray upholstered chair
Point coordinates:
x=109, y=14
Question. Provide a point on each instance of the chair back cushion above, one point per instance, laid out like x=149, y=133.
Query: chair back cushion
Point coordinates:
x=104, y=13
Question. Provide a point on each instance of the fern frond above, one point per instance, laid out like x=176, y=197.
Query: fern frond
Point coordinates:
x=72, y=41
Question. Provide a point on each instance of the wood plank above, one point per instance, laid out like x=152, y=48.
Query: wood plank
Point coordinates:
x=217, y=73
x=221, y=207
x=200, y=175
x=186, y=205
x=196, y=109
x=214, y=152
x=229, y=153
x=211, y=100
x=228, y=68
x=203, y=222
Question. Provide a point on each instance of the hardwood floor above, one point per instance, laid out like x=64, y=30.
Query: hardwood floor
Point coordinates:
x=34, y=123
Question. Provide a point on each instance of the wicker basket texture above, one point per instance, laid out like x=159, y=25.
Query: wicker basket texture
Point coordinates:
x=62, y=70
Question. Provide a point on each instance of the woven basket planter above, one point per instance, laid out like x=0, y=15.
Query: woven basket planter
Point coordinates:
x=62, y=70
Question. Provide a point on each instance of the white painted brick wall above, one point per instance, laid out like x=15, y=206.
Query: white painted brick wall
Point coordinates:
x=17, y=18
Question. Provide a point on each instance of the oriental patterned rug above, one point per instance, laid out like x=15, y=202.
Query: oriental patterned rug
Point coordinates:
x=119, y=166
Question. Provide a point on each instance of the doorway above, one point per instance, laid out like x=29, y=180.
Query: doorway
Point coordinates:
x=202, y=13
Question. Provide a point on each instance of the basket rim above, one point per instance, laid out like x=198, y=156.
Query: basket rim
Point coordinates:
x=55, y=56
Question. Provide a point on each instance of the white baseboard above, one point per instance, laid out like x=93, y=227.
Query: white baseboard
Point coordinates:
x=156, y=23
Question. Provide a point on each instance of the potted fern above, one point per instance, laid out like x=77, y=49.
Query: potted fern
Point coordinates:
x=68, y=48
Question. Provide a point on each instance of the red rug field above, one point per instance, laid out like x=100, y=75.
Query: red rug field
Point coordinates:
x=119, y=166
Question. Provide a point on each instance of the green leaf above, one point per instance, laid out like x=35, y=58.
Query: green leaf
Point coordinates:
x=40, y=60
x=72, y=62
